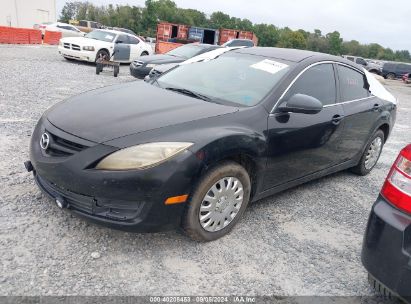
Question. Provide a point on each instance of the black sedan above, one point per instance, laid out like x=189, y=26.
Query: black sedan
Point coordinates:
x=200, y=142
x=142, y=66
x=387, y=244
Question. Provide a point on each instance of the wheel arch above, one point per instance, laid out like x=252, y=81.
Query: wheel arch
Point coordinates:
x=385, y=128
x=103, y=49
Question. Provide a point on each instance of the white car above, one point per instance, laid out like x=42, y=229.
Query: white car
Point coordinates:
x=66, y=30
x=104, y=43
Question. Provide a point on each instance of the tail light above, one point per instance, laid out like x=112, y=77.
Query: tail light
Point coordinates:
x=397, y=186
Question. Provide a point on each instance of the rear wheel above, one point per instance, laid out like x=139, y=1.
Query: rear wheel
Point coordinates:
x=391, y=76
x=218, y=202
x=371, y=154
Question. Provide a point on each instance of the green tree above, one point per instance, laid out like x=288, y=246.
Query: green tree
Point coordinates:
x=335, y=43
x=292, y=39
x=143, y=20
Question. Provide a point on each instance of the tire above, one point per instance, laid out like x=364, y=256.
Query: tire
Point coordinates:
x=144, y=53
x=391, y=76
x=69, y=59
x=102, y=53
x=116, y=71
x=363, y=168
x=191, y=220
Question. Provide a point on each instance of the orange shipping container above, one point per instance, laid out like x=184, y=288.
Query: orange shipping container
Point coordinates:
x=228, y=34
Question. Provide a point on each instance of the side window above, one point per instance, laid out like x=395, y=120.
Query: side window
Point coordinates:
x=122, y=39
x=83, y=23
x=350, y=58
x=353, y=84
x=318, y=81
x=361, y=61
x=133, y=40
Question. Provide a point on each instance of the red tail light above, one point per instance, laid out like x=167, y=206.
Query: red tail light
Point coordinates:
x=397, y=186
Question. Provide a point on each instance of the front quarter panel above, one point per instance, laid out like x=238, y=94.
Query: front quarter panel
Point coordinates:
x=215, y=139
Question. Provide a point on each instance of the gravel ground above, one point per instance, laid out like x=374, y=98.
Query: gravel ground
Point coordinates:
x=305, y=241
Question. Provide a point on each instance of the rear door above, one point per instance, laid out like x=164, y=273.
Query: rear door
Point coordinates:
x=360, y=107
x=403, y=69
x=135, y=47
x=122, y=48
x=302, y=144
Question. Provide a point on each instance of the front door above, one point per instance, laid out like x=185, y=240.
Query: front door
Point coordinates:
x=122, y=48
x=302, y=144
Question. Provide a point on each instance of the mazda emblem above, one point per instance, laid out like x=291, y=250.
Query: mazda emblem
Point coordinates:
x=44, y=141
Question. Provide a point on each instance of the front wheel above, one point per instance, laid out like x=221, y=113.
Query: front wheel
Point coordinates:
x=218, y=202
x=371, y=154
x=391, y=76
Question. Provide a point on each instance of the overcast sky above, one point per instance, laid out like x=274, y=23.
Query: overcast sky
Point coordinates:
x=381, y=21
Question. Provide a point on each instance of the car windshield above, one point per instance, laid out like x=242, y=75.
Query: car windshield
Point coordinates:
x=236, y=78
x=101, y=35
x=186, y=51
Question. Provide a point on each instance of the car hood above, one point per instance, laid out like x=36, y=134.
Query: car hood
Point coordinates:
x=116, y=111
x=160, y=59
x=82, y=41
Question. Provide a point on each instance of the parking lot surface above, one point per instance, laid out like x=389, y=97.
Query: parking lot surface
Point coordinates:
x=304, y=241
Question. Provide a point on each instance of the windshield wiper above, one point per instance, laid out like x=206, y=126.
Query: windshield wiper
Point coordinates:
x=189, y=93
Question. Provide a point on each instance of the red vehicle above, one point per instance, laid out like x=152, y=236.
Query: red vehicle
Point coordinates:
x=406, y=78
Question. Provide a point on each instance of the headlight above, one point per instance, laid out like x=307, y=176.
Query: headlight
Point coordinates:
x=142, y=156
x=151, y=65
x=88, y=48
x=60, y=43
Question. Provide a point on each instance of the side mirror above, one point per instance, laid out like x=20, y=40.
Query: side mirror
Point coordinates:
x=300, y=103
x=119, y=41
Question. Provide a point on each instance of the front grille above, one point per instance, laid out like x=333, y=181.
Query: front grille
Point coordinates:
x=75, y=47
x=87, y=204
x=67, y=45
x=74, y=200
x=138, y=63
x=60, y=147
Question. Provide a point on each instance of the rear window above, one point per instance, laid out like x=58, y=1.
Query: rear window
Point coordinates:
x=353, y=84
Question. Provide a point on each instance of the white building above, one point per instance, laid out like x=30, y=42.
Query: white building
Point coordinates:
x=25, y=13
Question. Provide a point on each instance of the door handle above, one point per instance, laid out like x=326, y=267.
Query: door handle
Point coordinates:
x=337, y=119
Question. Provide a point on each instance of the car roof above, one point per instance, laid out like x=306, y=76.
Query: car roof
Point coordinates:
x=115, y=32
x=292, y=55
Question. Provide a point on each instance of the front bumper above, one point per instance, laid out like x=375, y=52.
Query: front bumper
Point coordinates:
x=139, y=72
x=386, y=252
x=88, y=56
x=127, y=200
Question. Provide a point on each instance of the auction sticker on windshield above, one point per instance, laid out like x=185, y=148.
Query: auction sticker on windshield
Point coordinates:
x=269, y=66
